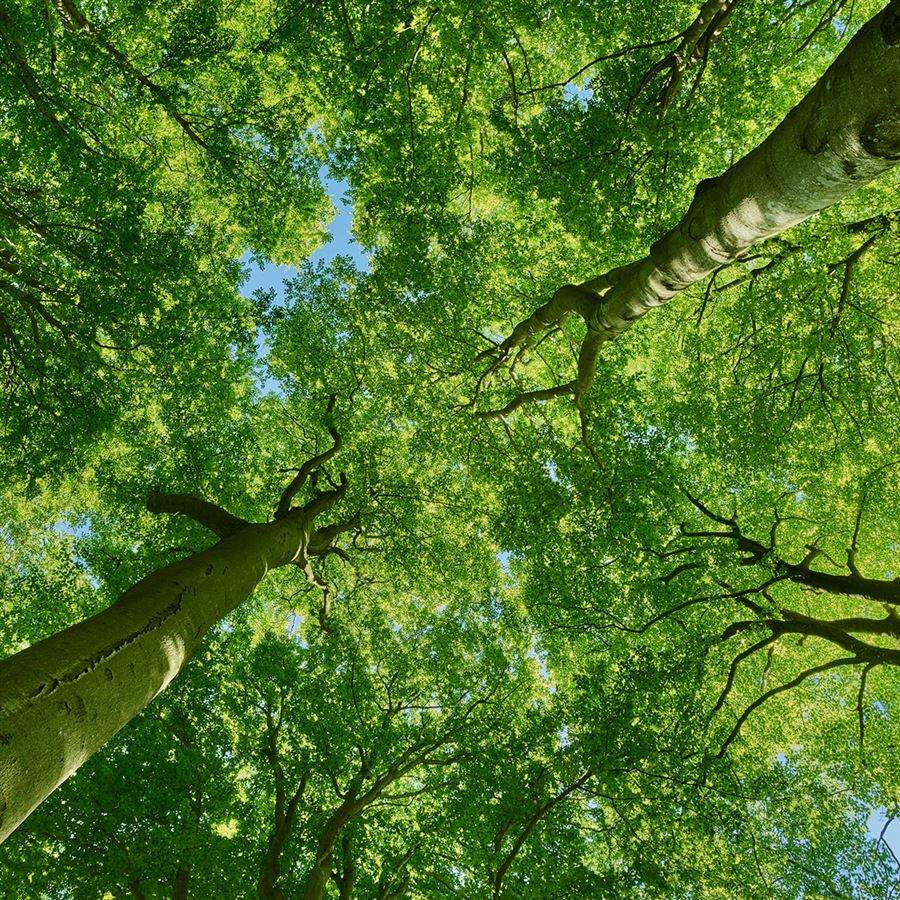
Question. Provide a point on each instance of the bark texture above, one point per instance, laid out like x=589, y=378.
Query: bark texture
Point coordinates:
x=64, y=697
x=843, y=134
x=320, y=873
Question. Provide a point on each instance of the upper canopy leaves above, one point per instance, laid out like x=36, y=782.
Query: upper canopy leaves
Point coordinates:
x=546, y=628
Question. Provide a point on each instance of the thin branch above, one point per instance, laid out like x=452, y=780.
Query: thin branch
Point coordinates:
x=825, y=667
x=313, y=463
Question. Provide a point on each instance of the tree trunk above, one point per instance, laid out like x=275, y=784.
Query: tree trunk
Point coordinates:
x=182, y=883
x=267, y=887
x=320, y=873
x=63, y=698
x=347, y=880
x=844, y=133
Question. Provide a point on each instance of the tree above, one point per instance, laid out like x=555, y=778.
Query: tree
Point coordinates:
x=164, y=186
x=642, y=651
x=841, y=136
x=64, y=697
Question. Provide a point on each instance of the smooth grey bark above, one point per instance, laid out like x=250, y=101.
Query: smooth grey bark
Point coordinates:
x=843, y=134
x=64, y=697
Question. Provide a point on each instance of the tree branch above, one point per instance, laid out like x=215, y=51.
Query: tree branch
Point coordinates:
x=219, y=521
x=313, y=463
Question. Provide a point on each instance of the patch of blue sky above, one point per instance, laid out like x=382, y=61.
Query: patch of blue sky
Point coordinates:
x=81, y=528
x=886, y=830
x=581, y=95
x=540, y=656
x=265, y=275
x=293, y=630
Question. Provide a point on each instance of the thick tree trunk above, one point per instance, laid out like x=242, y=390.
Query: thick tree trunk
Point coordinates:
x=346, y=882
x=182, y=883
x=320, y=873
x=63, y=698
x=844, y=133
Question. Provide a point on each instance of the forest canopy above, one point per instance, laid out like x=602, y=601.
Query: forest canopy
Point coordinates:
x=538, y=539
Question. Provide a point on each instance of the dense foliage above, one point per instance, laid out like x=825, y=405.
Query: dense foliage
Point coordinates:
x=641, y=645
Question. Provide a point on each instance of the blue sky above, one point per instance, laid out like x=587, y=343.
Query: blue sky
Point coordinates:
x=342, y=243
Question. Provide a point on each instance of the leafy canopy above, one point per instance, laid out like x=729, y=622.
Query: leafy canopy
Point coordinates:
x=567, y=655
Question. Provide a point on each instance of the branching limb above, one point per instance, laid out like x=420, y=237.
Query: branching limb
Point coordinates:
x=321, y=541
x=815, y=670
x=588, y=443
x=841, y=633
x=561, y=390
x=219, y=521
x=834, y=631
x=616, y=54
x=826, y=20
x=849, y=265
x=732, y=671
x=570, y=298
x=326, y=499
x=499, y=874
x=74, y=20
x=694, y=48
x=286, y=806
x=313, y=463
x=859, y=704
x=582, y=299
x=852, y=585
x=325, y=608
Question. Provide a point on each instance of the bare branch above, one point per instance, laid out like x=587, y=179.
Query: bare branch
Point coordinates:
x=217, y=520
x=313, y=463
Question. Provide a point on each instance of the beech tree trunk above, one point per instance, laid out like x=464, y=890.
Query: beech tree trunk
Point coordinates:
x=320, y=873
x=182, y=883
x=267, y=886
x=844, y=133
x=63, y=698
